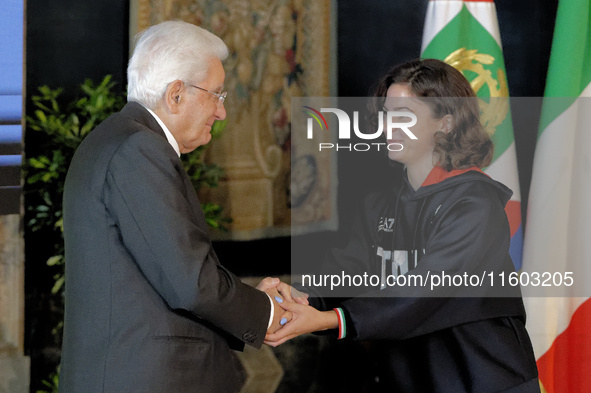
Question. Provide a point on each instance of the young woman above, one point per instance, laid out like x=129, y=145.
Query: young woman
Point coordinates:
x=447, y=217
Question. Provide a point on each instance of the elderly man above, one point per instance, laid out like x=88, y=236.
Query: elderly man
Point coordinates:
x=148, y=306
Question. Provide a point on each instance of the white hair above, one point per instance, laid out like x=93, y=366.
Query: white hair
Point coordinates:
x=169, y=51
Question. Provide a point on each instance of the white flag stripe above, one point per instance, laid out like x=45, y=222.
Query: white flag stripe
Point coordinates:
x=561, y=179
x=558, y=236
x=546, y=238
x=487, y=18
x=544, y=327
x=503, y=169
x=586, y=91
x=439, y=14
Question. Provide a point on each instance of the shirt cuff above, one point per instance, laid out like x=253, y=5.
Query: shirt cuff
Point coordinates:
x=342, y=322
x=272, y=311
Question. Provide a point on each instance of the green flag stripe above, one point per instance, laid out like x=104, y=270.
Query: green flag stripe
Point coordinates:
x=465, y=31
x=569, y=71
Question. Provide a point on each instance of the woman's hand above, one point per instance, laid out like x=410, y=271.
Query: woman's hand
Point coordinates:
x=305, y=319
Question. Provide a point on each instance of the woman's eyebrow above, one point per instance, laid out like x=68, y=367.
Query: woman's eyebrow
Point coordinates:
x=399, y=108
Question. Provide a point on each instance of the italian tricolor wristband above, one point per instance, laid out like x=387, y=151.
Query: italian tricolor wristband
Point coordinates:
x=342, y=323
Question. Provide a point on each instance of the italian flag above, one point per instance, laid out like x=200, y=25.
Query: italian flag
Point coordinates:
x=466, y=35
x=558, y=235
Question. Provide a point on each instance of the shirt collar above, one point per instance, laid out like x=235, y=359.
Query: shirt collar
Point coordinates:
x=167, y=132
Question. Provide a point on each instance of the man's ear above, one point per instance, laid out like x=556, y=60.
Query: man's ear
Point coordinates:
x=447, y=123
x=173, y=96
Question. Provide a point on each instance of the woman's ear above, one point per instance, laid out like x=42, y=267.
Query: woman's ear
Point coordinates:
x=447, y=123
x=173, y=96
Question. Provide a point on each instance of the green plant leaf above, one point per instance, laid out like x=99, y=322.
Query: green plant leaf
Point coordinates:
x=41, y=116
x=59, y=283
x=55, y=260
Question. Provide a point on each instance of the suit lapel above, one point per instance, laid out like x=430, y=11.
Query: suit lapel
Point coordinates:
x=140, y=114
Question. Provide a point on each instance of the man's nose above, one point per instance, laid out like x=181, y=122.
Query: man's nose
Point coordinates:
x=220, y=113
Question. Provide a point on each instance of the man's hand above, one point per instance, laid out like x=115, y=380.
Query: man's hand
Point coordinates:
x=288, y=293
x=267, y=283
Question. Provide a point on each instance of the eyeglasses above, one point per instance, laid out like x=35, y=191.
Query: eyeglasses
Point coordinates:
x=220, y=96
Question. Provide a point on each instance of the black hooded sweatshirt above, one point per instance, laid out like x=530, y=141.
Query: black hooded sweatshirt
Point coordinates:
x=468, y=336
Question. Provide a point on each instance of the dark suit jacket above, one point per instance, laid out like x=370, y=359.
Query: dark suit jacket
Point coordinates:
x=148, y=306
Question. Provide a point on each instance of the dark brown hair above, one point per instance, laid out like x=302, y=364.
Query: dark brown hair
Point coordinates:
x=467, y=144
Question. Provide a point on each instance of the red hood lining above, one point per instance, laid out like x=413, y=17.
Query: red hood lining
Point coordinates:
x=438, y=174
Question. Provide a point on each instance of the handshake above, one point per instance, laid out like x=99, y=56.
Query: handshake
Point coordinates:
x=293, y=315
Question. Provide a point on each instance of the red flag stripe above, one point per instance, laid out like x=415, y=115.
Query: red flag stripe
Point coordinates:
x=513, y=210
x=565, y=366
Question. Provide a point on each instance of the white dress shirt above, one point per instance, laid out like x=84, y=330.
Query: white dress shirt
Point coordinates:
x=167, y=132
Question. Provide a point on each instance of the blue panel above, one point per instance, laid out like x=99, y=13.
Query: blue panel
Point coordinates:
x=10, y=160
x=516, y=247
x=11, y=47
x=11, y=108
x=11, y=133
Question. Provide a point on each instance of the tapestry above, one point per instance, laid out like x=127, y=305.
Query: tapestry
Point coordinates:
x=278, y=50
